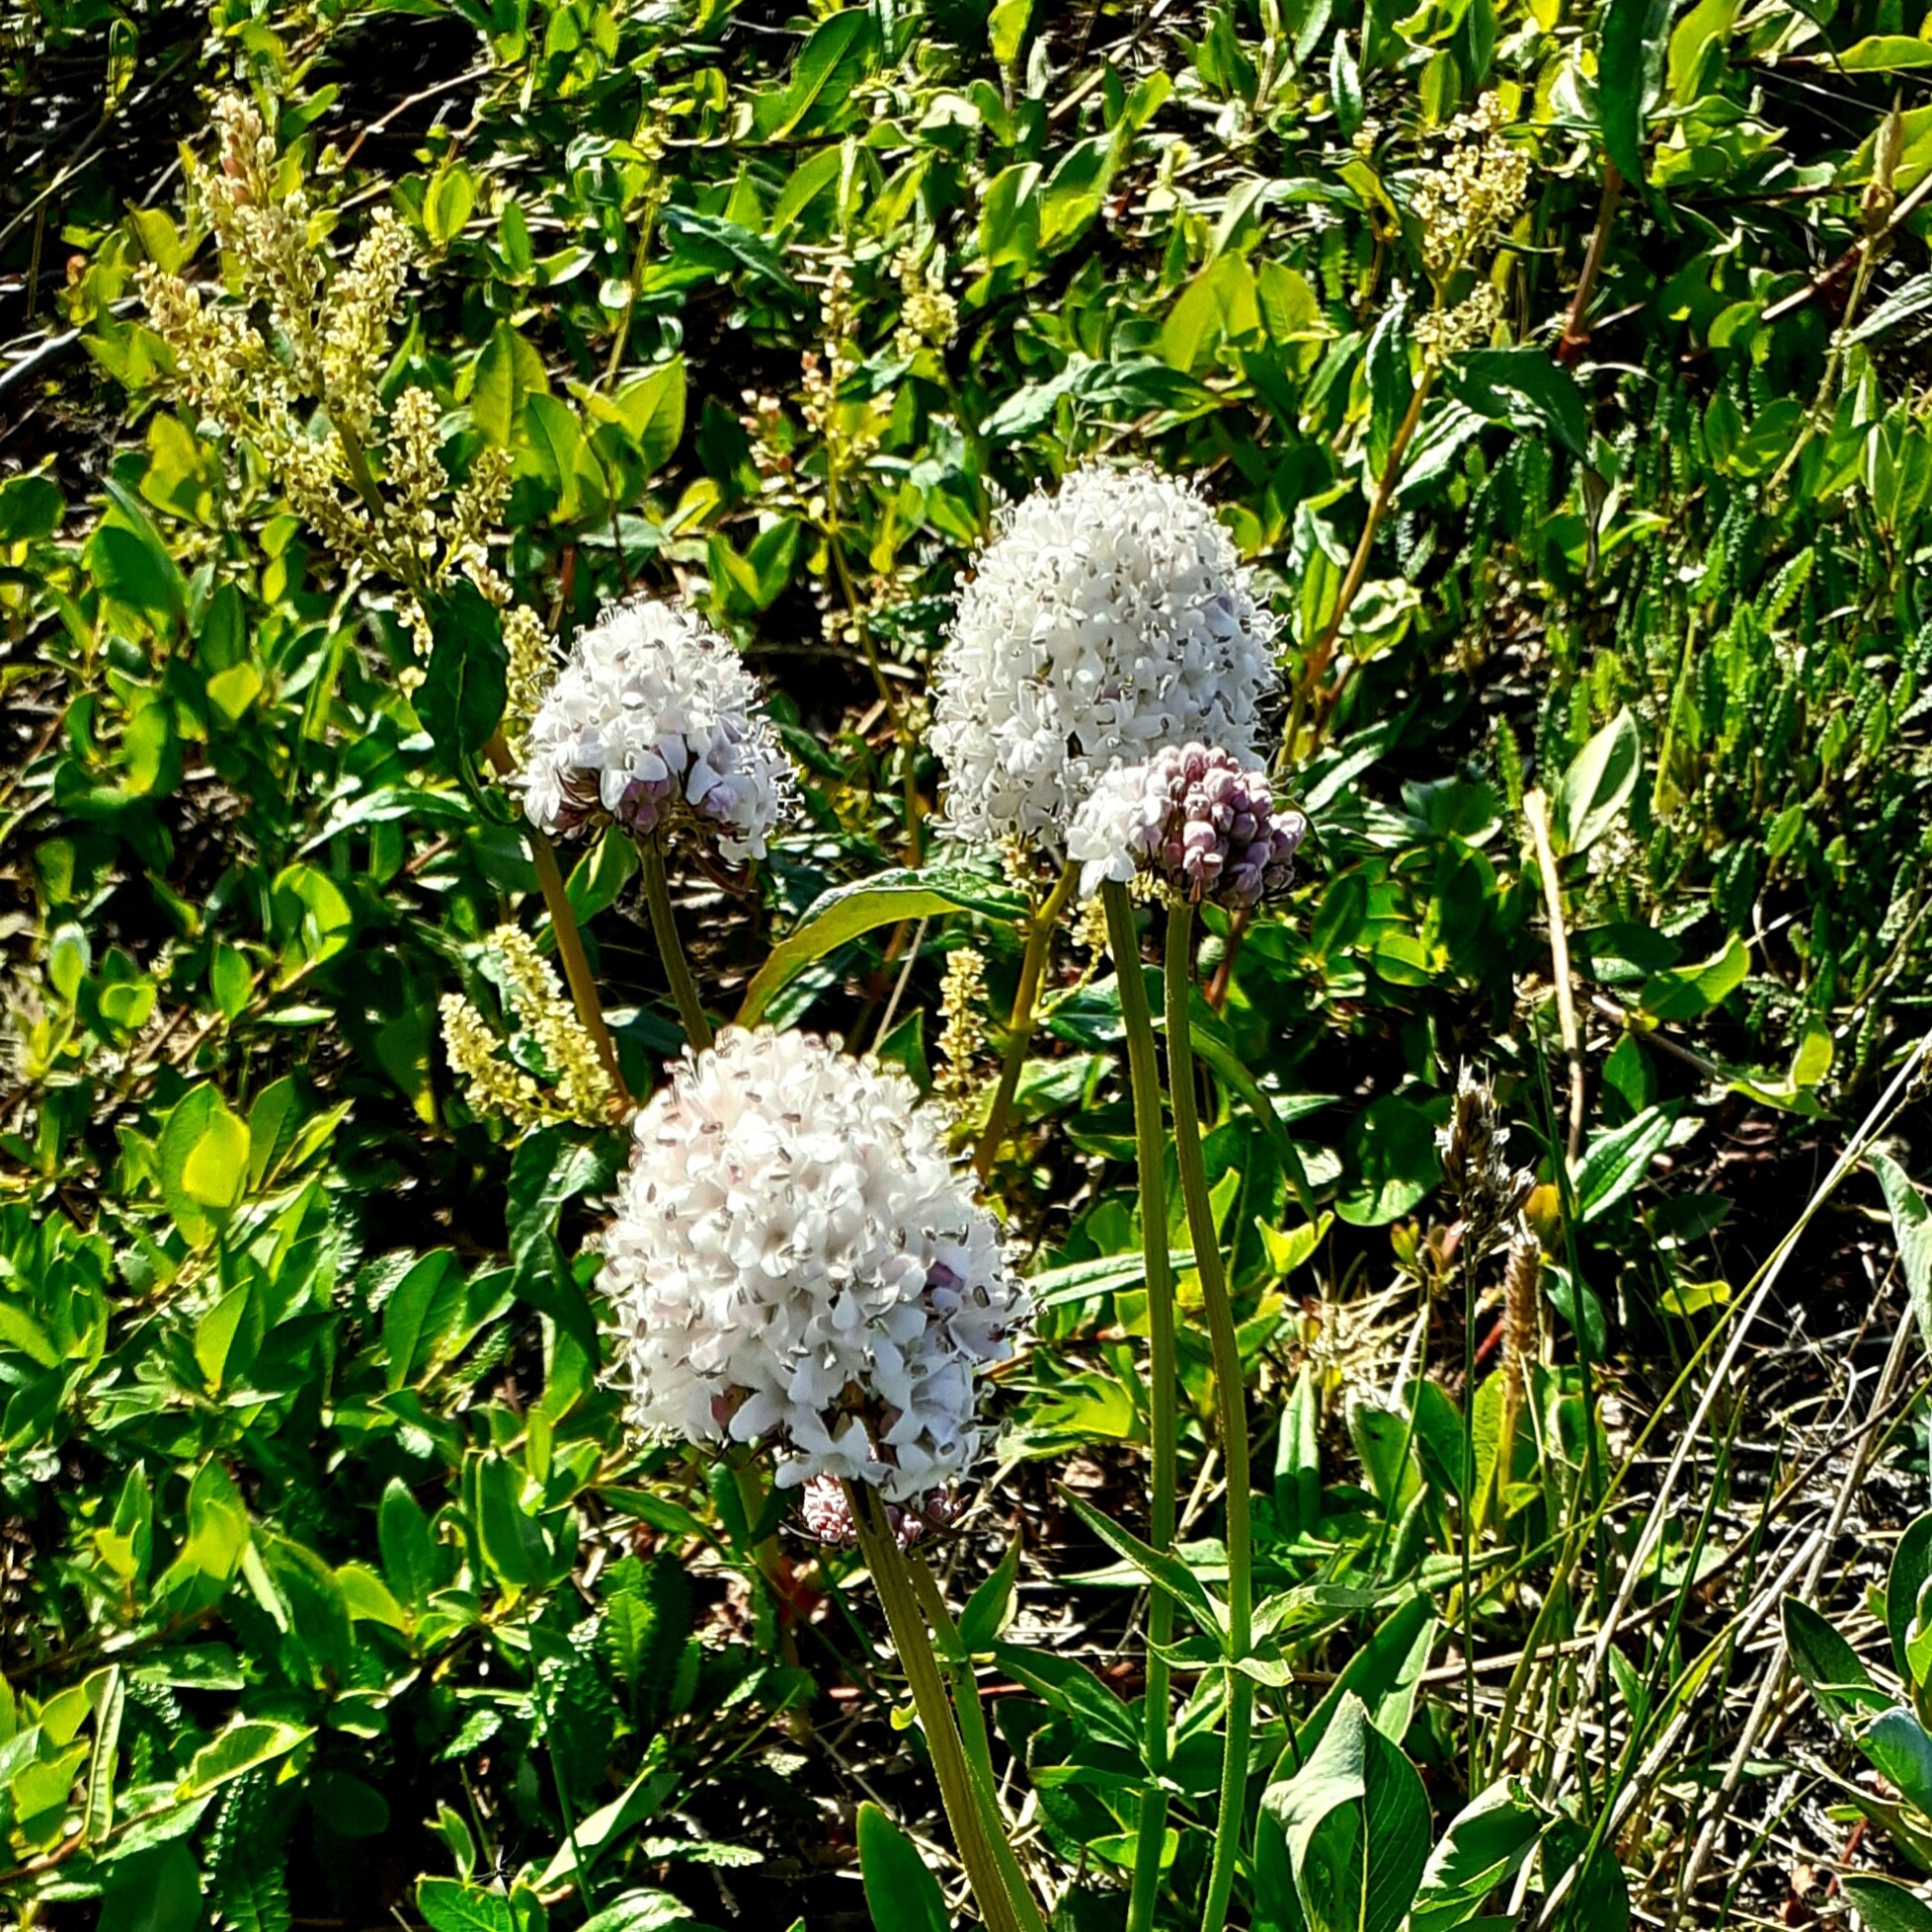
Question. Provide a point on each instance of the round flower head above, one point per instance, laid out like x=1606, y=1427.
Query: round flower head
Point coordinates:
x=1107, y=618
x=1200, y=821
x=654, y=716
x=796, y=1261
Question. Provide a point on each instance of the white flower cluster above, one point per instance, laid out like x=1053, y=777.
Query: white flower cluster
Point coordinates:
x=654, y=718
x=796, y=1261
x=1200, y=821
x=1107, y=618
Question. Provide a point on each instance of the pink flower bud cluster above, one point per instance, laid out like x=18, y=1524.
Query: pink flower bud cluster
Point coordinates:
x=1197, y=818
x=827, y=1516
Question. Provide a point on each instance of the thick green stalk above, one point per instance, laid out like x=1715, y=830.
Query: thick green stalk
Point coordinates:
x=664, y=928
x=1162, y=1380
x=1020, y=1027
x=973, y=1735
x=886, y=1563
x=1231, y=1404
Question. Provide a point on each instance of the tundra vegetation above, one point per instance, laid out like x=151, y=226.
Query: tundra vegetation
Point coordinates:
x=965, y=965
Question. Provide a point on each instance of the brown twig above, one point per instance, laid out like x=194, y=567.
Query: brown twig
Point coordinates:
x=1863, y=247
x=402, y=107
x=1576, y=331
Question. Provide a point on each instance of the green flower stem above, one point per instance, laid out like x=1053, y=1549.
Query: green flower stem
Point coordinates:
x=664, y=928
x=886, y=1563
x=1308, y=694
x=1163, y=1380
x=768, y=1558
x=574, y=960
x=1019, y=1025
x=973, y=1735
x=1231, y=1404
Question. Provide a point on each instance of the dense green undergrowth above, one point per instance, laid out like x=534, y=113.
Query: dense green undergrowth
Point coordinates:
x=330, y=1583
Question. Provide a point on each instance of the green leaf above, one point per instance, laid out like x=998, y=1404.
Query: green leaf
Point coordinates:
x=514, y=1544
x=847, y=911
x=1881, y=53
x=1345, y=88
x=899, y=1892
x=1887, y=1905
x=506, y=371
x=1297, y=1458
x=1217, y=306
x=1898, y=1743
x=158, y=1889
x=216, y=1173
x=181, y=1134
x=1630, y=72
x=369, y=1599
x=1911, y=1565
x=128, y=561
x=1164, y=1571
x=232, y=692
x=214, y=1333
x=1078, y=1281
x=1484, y=1846
x=562, y=458
x=638, y=1911
x=989, y=1610
x=809, y=180
x=462, y=698
x=1911, y=1223
x=1618, y=1159
x=274, y=1122
x=409, y=1555
x=1828, y=1664
x=243, y=1747
x=447, y=206
x=97, y=1820
x=1384, y=1674
x=1073, y=1690
x=30, y=508
x=1523, y=388
x=1598, y=1898
x=1390, y=1162
x=407, y=1332
x=831, y=64
x=450, y=1905
x=311, y=913
x=1599, y=782
x=1007, y=28
x=1690, y=991
x=611, y=1824
x=348, y=1807
x=18, y=1330
x=1347, y=1834
x=1391, y=387
x=652, y=408
x=547, y=1170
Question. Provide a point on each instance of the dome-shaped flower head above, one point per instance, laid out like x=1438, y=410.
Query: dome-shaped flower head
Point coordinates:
x=1107, y=617
x=655, y=719
x=1200, y=821
x=796, y=1261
